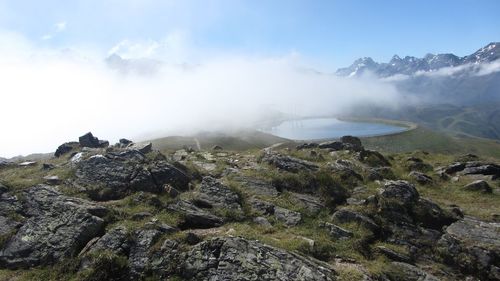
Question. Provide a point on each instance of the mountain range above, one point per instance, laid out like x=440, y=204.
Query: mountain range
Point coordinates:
x=410, y=65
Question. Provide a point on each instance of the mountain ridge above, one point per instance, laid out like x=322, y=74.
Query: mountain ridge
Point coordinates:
x=410, y=65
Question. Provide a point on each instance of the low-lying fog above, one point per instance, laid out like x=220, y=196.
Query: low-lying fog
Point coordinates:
x=52, y=96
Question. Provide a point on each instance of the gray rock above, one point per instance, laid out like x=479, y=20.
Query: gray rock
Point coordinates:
x=396, y=200
x=380, y=173
x=256, y=186
x=332, y=145
x=430, y=215
x=261, y=207
x=393, y=255
x=288, y=163
x=288, y=217
x=116, y=240
x=112, y=177
x=348, y=216
x=478, y=168
x=165, y=261
x=408, y=272
x=194, y=217
x=58, y=227
x=336, y=232
x=240, y=259
x=141, y=215
x=144, y=148
x=479, y=185
x=262, y=222
x=473, y=246
x=453, y=168
x=139, y=252
x=88, y=140
x=27, y=164
x=48, y=167
x=214, y=194
x=312, y=203
x=352, y=143
x=421, y=178
x=306, y=145
x=373, y=158
x=52, y=180
x=65, y=148
x=124, y=143
x=8, y=226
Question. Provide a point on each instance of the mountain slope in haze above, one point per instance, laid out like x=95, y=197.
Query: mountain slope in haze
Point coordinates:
x=457, y=95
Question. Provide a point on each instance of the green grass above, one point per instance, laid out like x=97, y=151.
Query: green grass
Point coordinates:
x=432, y=141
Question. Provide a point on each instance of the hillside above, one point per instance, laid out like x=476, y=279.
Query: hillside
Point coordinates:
x=329, y=211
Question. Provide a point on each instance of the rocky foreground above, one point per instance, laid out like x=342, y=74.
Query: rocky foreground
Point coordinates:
x=328, y=211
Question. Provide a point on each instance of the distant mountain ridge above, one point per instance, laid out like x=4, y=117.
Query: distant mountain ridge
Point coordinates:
x=410, y=65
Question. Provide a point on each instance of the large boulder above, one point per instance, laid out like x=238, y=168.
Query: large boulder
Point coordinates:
x=349, y=216
x=479, y=168
x=113, y=176
x=88, y=140
x=65, y=148
x=288, y=163
x=288, y=217
x=396, y=200
x=373, y=158
x=479, y=185
x=214, y=194
x=473, y=246
x=57, y=227
x=351, y=143
x=332, y=145
x=234, y=258
x=194, y=217
x=421, y=178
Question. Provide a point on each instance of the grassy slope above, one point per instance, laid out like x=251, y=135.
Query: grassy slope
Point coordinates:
x=428, y=140
x=237, y=141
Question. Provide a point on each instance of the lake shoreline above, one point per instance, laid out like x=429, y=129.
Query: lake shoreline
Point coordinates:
x=404, y=125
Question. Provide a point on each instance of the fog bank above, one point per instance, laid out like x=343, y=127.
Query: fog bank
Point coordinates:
x=51, y=96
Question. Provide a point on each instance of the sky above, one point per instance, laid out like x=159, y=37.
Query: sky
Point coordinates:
x=217, y=64
x=326, y=34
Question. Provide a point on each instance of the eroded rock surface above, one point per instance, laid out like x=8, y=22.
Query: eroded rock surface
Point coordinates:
x=473, y=246
x=241, y=259
x=57, y=227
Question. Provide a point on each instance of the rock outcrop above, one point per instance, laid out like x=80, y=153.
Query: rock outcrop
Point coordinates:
x=241, y=259
x=287, y=163
x=112, y=176
x=473, y=246
x=57, y=227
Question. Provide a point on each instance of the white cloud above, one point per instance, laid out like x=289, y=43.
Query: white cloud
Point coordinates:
x=48, y=99
x=57, y=28
x=174, y=47
x=60, y=26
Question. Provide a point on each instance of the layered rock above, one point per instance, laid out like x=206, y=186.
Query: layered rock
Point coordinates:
x=289, y=164
x=473, y=246
x=241, y=259
x=114, y=175
x=57, y=227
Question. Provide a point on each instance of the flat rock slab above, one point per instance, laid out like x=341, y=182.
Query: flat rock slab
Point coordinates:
x=235, y=258
x=472, y=245
x=58, y=227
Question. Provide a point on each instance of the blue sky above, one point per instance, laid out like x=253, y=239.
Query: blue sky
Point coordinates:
x=328, y=34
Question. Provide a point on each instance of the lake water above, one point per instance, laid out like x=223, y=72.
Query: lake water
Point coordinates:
x=326, y=128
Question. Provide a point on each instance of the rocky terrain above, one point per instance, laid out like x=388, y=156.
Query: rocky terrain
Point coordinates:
x=292, y=211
